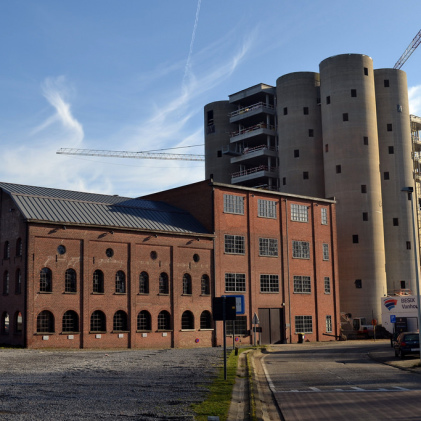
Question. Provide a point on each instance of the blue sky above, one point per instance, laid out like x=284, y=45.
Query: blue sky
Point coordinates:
x=135, y=75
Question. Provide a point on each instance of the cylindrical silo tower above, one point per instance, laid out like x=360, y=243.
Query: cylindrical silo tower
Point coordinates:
x=217, y=141
x=396, y=167
x=351, y=168
x=300, y=134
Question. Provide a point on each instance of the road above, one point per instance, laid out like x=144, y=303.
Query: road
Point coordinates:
x=339, y=380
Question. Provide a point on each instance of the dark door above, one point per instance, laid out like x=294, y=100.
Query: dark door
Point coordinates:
x=271, y=322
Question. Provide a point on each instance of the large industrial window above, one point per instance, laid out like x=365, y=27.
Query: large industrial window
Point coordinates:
x=98, y=321
x=269, y=283
x=301, y=250
x=187, y=284
x=303, y=324
x=328, y=324
x=164, y=320
x=325, y=251
x=233, y=204
x=187, y=320
x=235, y=282
x=327, y=285
x=163, y=283
x=18, y=282
x=268, y=247
x=266, y=208
x=299, y=213
x=205, y=285
x=205, y=320
x=324, y=216
x=45, y=322
x=6, y=250
x=237, y=326
x=144, y=321
x=120, y=321
x=120, y=282
x=302, y=284
x=70, y=280
x=234, y=244
x=19, y=247
x=70, y=322
x=143, y=283
x=98, y=282
x=45, y=280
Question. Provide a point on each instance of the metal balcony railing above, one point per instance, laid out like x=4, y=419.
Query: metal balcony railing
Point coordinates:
x=252, y=129
x=251, y=108
x=253, y=171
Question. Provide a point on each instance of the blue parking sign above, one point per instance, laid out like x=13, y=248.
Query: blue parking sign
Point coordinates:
x=392, y=318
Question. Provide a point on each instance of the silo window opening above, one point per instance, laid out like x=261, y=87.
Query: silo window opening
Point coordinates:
x=358, y=283
x=305, y=110
x=366, y=71
x=210, y=117
x=284, y=181
x=328, y=100
x=219, y=154
x=363, y=188
x=355, y=239
x=395, y=222
x=386, y=175
x=403, y=284
x=305, y=175
x=327, y=147
x=353, y=93
x=408, y=245
x=386, y=83
x=345, y=117
x=296, y=153
x=338, y=169
x=389, y=127
x=285, y=110
x=310, y=133
x=365, y=216
x=365, y=140
x=391, y=150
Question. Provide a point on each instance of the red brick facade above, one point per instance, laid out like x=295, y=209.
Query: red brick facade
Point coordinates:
x=232, y=257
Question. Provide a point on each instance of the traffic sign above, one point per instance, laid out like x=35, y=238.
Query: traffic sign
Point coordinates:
x=239, y=303
x=256, y=320
x=392, y=318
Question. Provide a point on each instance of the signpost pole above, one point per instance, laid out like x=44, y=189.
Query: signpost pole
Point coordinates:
x=225, y=337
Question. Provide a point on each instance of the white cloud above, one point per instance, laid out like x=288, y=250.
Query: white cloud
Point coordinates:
x=414, y=94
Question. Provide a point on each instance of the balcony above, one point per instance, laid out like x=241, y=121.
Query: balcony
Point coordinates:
x=255, y=153
x=256, y=130
x=251, y=174
x=251, y=110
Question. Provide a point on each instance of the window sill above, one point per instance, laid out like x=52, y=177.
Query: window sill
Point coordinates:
x=302, y=293
x=70, y=293
x=186, y=295
x=164, y=330
x=120, y=293
x=43, y=333
x=269, y=292
x=143, y=293
x=206, y=329
x=45, y=292
x=69, y=333
x=163, y=293
x=98, y=293
x=187, y=330
x=205, y=295
x=98, y=332
x=120, y=331
x=268, y=255
x=143, y=331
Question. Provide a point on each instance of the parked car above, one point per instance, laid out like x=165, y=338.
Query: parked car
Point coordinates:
x=407, y=343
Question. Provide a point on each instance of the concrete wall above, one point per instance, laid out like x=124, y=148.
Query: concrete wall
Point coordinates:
x=351, y=167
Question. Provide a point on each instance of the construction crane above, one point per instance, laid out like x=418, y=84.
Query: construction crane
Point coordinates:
x=127, y=154
x=407, y=53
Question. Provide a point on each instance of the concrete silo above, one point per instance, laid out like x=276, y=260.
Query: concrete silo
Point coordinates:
x=351, y=170
x=217, y=138
x=395, y=150
x=300, y=134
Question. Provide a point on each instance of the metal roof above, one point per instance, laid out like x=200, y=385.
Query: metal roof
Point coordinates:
x=42, y=204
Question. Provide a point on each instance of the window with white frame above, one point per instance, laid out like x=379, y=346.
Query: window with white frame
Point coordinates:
x=235, y=282
x=299, y=213
x=234, y=244
x=301, y=249
x=325, y=251
x=302, y=284
x=327, y=285
x=233, y=204
x=328, y=324
x=303, y=324
x=268, y=247
x=324, y=216
x=266, y=208
x=269, y=283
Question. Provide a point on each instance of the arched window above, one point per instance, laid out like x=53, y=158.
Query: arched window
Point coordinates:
x=6, y=250
x=187, y=288
x=120, y=321
x=5, y=323
x=98, y=321
x=98, y=282
x=18, y=282
x=70, y=321
x=70, y=280
x=144, y=320
x=18, y=322
x=205, y=320
x=45, y=280
x=187, y=320
x=143, y=283
x=6, y=283
x=120, y=282
x=205, y=285
x=45, y=322
x=163, y=283
x=164, y=320
x=19, y=247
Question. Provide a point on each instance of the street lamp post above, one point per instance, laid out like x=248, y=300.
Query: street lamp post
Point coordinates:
x=410, y=191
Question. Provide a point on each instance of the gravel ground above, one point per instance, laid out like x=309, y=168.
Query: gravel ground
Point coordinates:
x=104, y=385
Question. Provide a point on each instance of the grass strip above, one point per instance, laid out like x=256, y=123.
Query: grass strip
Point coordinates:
x=218, y=401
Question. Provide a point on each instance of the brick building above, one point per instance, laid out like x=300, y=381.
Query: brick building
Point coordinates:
x=83, y=270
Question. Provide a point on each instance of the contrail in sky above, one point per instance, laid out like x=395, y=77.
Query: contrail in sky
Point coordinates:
x=187, y=68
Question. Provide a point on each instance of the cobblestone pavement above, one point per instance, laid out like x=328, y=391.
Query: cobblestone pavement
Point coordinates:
x=104, y=385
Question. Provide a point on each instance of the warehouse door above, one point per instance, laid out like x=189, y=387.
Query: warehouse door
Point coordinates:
x=271, y=322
